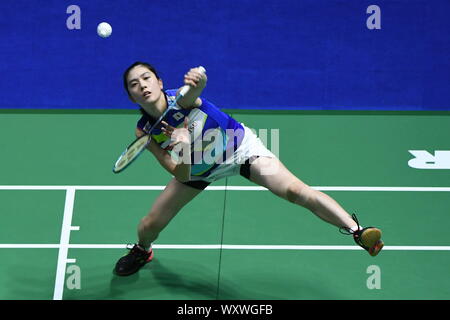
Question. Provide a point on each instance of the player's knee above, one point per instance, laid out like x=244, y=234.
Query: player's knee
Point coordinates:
x=299, y=193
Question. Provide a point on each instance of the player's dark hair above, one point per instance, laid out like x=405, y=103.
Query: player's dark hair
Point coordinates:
x=127, y=71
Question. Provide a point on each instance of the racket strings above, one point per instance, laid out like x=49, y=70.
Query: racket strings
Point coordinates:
x=137, y=146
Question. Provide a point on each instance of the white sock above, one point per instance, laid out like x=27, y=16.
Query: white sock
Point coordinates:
x=355, y=228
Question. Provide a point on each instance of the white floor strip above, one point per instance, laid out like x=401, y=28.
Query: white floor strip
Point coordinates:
x=63, y=244
x=28, y=246
x=216, y=247
x=229, y=188
x=407, y=189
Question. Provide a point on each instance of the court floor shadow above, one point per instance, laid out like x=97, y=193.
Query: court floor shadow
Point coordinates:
x=193, y=284
x=156, y=277
x=162, y=281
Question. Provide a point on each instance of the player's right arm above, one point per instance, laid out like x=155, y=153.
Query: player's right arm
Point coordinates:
x=180, y=171
x=196, y=79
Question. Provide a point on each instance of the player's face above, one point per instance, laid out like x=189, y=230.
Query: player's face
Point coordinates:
x=144, y=87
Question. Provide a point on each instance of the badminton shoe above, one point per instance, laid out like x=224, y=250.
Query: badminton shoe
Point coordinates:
x=136, y=258
x=368, y=238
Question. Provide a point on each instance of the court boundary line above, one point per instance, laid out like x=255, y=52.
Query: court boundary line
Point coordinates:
x=217, y=247
x=63, y=244
x=223, y=188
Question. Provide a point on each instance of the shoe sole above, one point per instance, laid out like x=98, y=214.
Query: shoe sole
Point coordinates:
x=371, y=238
x=150, y=258
x=376, y=248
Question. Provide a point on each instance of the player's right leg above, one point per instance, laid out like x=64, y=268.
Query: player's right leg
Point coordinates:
x=174, y=197
x=269, y=172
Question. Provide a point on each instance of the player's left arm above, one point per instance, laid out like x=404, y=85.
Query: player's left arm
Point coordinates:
x=197, y=81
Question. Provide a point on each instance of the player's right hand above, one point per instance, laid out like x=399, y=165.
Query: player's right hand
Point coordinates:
x=195, y=78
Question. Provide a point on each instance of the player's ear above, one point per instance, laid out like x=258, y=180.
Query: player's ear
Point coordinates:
x=161, y=86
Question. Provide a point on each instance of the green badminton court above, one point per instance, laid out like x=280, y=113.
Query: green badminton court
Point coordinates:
x=66, y=218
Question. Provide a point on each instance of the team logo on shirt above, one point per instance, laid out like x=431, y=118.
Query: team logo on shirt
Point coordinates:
x=178, y=116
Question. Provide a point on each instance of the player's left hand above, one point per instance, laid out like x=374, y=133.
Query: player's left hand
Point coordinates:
x=177, y=135
x=195, y=78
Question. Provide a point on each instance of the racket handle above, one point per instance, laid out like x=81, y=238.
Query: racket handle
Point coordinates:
x=186, y=88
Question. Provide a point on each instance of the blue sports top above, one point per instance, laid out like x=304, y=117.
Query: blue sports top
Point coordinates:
x=214, y=134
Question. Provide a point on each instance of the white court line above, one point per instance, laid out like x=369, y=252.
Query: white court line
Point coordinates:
x=297, y=247
x=63, y=244
x=29, y=246
x=229, y=188
x=218, y=246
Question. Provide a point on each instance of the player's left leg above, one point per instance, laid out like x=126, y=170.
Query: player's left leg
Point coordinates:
x=272, y=174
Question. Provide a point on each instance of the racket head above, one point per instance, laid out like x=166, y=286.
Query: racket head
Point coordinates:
x=131, y=153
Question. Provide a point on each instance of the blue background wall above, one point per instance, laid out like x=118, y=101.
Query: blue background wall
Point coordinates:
x=268, y=54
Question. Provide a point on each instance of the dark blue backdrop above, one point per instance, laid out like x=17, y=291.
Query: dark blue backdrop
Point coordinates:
x=268, y=54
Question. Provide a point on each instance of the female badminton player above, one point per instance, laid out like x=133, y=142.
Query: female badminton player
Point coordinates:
x=234, y=150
